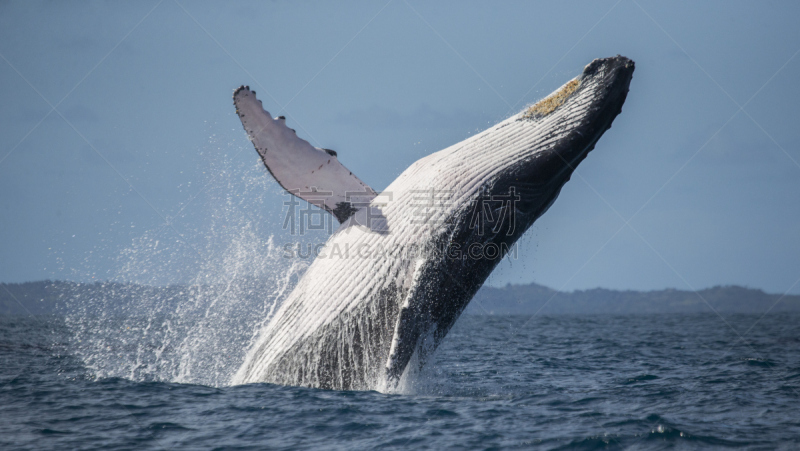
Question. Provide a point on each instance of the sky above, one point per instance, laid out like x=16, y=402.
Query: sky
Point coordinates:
x=121, y=157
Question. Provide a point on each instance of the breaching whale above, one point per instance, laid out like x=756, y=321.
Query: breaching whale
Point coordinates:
x=391, y=281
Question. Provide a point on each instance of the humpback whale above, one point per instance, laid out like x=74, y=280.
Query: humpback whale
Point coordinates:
x=391, y=281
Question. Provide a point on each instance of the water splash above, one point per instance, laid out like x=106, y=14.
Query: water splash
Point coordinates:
x=186, y=304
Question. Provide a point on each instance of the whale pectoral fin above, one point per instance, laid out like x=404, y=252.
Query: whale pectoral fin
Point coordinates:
x=308, y=172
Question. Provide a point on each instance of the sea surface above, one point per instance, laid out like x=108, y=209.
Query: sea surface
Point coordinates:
x=516, y=382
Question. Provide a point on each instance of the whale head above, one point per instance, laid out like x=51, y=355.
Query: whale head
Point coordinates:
x=509, y=175
x=565, y=126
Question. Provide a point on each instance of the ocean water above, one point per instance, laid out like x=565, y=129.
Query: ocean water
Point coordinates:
x=561, y=382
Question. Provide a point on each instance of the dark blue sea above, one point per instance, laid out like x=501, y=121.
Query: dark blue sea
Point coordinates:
x=560, y=382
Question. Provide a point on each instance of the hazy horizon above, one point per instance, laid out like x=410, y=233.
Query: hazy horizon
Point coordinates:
x=508, y=284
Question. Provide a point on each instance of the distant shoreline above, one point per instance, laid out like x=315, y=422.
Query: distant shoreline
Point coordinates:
x=49, y=297
x=537, y=299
